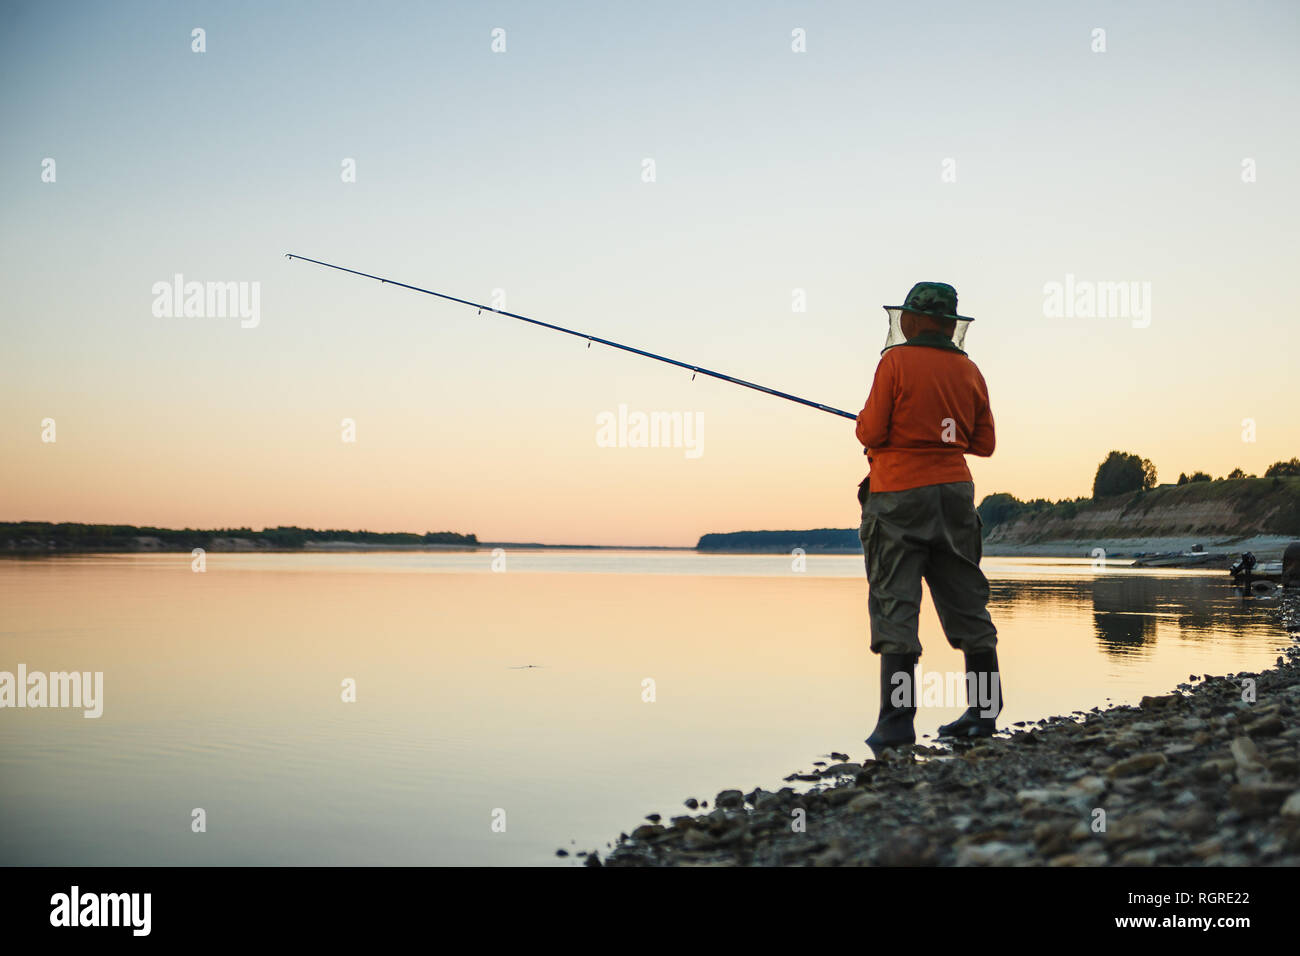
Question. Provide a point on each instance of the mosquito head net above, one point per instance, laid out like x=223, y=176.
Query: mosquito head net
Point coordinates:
x=896, y=336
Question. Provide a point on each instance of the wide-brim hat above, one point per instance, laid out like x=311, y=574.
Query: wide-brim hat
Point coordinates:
x=937, y=299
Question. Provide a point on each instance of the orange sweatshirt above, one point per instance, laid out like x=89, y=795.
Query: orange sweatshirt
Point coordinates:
x=928, y=409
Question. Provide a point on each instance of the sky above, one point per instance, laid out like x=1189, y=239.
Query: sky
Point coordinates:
x=741, y=186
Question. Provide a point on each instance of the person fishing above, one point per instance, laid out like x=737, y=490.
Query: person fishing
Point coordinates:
x=928, y=408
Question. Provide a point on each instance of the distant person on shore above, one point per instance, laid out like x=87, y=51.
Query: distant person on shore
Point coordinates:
x=928, y=409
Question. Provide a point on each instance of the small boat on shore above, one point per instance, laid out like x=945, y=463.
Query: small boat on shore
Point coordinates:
x=1267, y=571
x=1178, y=559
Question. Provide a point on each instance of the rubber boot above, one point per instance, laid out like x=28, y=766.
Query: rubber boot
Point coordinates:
x=894, y=725
x=979, y=721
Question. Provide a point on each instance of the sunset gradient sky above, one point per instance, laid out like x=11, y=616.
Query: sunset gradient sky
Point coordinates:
x=522, y=171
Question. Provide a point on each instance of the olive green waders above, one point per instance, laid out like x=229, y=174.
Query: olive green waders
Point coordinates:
x=931, y=532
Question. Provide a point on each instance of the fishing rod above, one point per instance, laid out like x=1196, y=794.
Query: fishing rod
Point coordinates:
x=693, y=369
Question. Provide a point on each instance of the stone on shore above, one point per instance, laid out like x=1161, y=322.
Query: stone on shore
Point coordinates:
x=1139, y=763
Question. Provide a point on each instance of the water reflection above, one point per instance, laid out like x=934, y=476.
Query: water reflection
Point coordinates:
x=222, y=691
x=1129, y=609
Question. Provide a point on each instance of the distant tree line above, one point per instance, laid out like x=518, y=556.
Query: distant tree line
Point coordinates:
x=1123, y=473
x=1283, y=469
x=1120, y=473
x=820, y=539
x=1279, y=469
x=1000, y=507
x=70, y=536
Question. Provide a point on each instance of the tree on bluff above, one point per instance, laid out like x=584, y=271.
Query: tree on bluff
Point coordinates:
x=999, y=507
x=1122, y=473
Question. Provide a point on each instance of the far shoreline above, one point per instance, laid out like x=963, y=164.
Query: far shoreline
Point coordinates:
x=342, y=547
x=1265, y=548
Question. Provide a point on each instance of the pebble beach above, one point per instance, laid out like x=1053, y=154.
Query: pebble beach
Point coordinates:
x=1206, y=775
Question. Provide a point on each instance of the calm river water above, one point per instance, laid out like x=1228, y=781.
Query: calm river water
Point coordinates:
x=500, y=715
